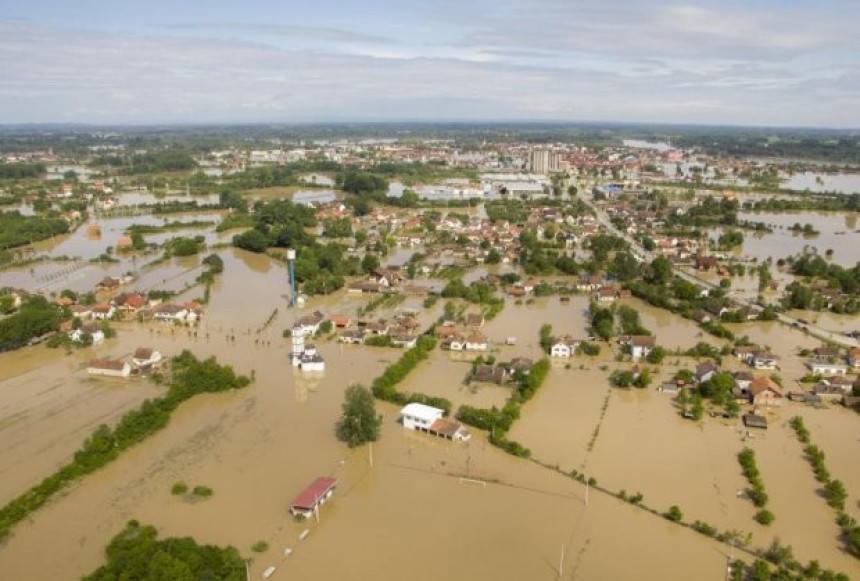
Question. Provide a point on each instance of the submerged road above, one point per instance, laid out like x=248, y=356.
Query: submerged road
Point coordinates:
x=645, y=256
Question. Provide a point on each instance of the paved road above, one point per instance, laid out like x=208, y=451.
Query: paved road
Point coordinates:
x=646, y=256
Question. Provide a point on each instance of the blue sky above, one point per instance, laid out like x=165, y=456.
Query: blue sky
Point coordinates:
x=750, y=62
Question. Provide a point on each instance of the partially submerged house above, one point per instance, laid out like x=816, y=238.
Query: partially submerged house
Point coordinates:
x=425, y=418
x=109, y=368
x=764, y=391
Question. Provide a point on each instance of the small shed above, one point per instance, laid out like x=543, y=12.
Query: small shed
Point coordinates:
x=314, y=496
x=755, y=421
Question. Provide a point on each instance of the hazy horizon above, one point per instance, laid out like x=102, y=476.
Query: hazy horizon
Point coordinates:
x=767, y=63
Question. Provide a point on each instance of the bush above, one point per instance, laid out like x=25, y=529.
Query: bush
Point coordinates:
x=590, y=349
x=674, y=514
x=834, y=492
x=137, y=553
x=178, y=488
x=202, y=491
x=764, y=517
x=704, y=528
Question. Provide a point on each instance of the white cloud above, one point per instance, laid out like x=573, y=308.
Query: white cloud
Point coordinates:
x=548, y=59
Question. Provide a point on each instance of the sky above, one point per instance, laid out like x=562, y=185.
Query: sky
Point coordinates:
x=736, y=62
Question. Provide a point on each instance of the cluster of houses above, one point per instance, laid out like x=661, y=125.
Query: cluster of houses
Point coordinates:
x=144, y=360
x=468, y=337
x=402, y=329
x=501, y=373
x=133, y=305
x=305, y=356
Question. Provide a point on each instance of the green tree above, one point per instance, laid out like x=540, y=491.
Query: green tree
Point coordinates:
x=624, y=266
x=660, y=271
x=252, y=240
x=369, y=263
x=359, y=423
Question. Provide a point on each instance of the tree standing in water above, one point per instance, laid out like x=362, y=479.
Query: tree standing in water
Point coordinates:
x=359, y=423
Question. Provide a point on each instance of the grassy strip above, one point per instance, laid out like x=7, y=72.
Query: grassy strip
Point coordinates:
x=384, y=386
x=190, y=377
x=834, y=490
x=499, y=421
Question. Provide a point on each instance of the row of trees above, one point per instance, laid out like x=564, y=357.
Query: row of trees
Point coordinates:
x=190, y=376
x=757, y=494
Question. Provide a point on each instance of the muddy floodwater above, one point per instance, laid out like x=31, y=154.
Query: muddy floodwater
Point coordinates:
x=419, y=506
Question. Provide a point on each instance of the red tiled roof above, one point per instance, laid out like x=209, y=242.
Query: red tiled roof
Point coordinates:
x=308, y=498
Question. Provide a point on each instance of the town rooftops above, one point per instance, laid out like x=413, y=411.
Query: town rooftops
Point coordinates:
x=310, y=496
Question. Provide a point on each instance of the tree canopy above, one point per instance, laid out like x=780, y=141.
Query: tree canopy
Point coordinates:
x=359, y=423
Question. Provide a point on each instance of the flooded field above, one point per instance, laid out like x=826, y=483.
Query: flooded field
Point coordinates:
x=54, y=392
x=842, y=183
x=418, y=501
x=837, y=232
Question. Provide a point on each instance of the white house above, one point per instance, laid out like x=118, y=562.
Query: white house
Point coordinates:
x=405, y=340
x=417, y=416
x=705, y=371
x=103, y=311
x=641, y=345
x=825, y=367
x=764, y=360
x=169, y=313
x=476, y=342
x=109, y=367
x=146, y=357
x=92, y=329
x=425, y=418
x=560, y=349
x=309, y=324
x=564, y=347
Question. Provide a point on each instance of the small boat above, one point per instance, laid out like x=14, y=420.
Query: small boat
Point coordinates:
x=269, y=572
x=303, y=535
x=287, y=552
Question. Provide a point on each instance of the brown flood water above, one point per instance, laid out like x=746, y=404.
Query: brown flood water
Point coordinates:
x=257, y=448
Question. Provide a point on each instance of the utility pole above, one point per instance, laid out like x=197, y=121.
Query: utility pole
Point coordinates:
x=561, y=563
x=586, y=491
